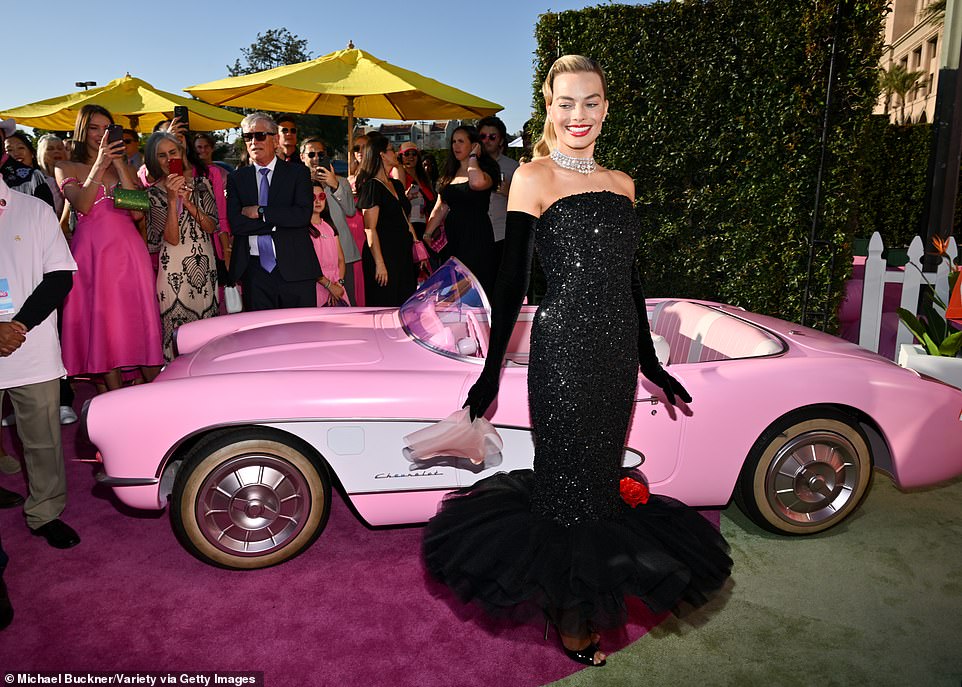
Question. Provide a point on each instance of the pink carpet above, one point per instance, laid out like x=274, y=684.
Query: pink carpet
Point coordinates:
x=355, y=609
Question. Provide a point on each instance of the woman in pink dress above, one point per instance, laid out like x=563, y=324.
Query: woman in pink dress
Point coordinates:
x=330, y=285
x=111, y=319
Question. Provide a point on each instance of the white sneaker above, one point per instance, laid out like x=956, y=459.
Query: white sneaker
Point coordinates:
x=67, y=415
x=9, y=421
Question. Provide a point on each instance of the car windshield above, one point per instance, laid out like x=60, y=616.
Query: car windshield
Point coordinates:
x=449, y=313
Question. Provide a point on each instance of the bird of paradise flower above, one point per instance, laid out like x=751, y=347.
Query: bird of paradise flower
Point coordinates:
x=931, y=327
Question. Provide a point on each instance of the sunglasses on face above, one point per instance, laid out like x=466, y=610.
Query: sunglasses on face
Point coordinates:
x=292, y=130
x=128, y=141
x=409, y=153
x=311, y=155
x=255, y=135
x=320, y=195
x=488, y=137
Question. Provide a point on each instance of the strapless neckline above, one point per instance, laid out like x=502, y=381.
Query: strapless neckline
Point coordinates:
x=582, y=195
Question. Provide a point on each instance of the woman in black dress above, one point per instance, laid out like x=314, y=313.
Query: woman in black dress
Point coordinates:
x=560, y=541
x=464, y=194
x=390, y=273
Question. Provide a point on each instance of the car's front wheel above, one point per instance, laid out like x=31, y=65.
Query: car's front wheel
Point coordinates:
x=805, y=473
x=249, y=498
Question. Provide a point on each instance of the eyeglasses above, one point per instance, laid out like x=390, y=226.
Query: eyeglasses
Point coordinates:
x=285, y=130
x=256, y=135
x=320, y=195
x=311, y=155
x=489, y=137
x=409, y=153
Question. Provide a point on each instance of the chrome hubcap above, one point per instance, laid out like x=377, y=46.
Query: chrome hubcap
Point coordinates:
x=812, y=477
x=253, y=504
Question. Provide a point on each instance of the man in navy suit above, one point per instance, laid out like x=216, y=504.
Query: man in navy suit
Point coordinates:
x=269, y=207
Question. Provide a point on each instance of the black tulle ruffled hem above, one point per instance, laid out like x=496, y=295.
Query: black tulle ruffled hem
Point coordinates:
x=488, y=547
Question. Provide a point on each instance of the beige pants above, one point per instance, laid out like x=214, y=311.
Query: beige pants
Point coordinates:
x=37, y=408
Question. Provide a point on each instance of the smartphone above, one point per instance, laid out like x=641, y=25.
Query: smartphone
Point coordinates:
x=324, y=161
x=115, y=133
x=175, y=166
x=183, y=114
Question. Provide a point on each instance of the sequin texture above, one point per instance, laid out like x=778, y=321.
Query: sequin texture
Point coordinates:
x=584, y=365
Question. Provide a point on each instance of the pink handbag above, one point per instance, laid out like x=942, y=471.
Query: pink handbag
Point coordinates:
x=419, y=251
x=439, y=241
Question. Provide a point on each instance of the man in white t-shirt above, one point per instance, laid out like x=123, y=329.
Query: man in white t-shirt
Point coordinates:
x=494, y=137
x=36, y=273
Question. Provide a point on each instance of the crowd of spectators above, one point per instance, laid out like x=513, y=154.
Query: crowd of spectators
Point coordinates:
x=203, y=226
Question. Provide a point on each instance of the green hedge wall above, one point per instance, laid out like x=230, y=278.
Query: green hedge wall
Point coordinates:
x=716, y=112
x=893, y=179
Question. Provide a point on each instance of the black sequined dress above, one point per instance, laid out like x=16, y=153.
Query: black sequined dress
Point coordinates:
x=559, y=540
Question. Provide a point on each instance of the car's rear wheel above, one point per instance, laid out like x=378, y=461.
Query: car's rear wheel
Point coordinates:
x=805, y=473
x=249, y=499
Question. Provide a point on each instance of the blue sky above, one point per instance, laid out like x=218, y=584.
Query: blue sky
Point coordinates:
x=483, y=48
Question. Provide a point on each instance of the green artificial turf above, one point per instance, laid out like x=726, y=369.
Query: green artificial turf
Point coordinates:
x=874, y=601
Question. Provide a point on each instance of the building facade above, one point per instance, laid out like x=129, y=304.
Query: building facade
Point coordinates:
x=913, y=41
x=425, y=135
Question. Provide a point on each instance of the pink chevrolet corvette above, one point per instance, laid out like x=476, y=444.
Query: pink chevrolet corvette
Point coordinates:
x=261, y=413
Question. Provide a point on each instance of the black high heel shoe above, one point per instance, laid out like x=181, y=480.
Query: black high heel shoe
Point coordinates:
x=584, y=656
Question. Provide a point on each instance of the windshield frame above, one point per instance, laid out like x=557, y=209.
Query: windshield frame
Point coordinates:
x=448, y=301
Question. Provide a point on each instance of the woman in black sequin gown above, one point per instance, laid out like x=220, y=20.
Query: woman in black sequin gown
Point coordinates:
x=559, y=541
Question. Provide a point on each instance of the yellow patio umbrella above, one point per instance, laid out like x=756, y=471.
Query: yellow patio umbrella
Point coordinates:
x=142, y=105
x=351, y=83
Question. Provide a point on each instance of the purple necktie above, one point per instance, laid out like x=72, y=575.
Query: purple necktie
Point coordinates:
x=264, y=244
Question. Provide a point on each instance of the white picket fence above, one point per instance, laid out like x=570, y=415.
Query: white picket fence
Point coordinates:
x=877, y=276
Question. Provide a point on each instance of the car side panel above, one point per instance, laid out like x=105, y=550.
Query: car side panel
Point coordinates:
x=655, y=431
x=735, y=401
x=137, y=429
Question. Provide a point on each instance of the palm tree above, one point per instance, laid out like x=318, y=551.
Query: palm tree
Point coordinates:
x=899, y=81
x=934, y=13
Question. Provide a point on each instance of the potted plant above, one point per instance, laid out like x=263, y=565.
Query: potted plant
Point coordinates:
x=940, y=340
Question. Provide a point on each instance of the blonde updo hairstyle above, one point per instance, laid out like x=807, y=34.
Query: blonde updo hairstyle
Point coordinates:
x=566, y=64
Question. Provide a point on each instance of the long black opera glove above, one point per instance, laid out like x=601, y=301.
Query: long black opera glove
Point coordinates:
x=647, y=360
x=509, y=290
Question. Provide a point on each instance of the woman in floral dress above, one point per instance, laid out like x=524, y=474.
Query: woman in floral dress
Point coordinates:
x=184, y=213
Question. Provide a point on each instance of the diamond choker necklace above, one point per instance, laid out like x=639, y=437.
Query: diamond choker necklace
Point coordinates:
x=582, y=165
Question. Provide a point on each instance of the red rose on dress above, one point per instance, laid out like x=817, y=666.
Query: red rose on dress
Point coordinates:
x=633, y=492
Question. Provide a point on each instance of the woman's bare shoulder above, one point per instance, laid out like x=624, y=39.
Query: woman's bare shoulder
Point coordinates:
x=529, y=185
x=538, y=169
x=65, y=169
x=621, y=183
